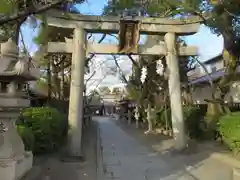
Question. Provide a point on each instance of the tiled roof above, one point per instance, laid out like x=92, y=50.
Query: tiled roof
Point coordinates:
x=214, y=76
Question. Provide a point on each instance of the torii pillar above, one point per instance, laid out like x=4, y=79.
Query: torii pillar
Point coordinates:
x=175, y=92
x=76, y=92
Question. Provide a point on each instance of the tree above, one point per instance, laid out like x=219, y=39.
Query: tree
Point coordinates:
x=16, y=10
x=57, y=66
x=222, y=16
x=14, y=13
x=152, y=94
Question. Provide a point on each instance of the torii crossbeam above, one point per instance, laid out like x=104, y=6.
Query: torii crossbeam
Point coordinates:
x=95, y=48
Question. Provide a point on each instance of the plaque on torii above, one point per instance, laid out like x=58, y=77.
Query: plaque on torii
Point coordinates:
x=129, y=36
x=129, y=32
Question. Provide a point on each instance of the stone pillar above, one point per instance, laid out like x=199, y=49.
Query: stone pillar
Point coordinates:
x=175, y=92
x=112, y=112
x=149, y=119
x=137, y=123
x=14, y=161
x=76, y=92
x=129, y=116
x=137, y=116
x=117, y=117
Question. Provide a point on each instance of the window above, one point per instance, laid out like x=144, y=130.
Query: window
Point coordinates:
x=214, y=69
x=3, y=86
x=19, y=87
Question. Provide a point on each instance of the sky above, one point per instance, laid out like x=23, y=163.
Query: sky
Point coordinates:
x=209, y=45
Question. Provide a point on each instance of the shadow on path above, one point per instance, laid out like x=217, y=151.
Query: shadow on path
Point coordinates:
x=129, y=153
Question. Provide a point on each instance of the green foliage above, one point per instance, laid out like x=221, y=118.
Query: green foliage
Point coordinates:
x=229, y=129
x=194, y=123
x=27, y=137
x=157, y=7
x=224, y=13
x=161, y=118
x=8, y=6
x=43, y=35
x=193, y=120
x=49, y=127
x=7, y=31
x=211, y=126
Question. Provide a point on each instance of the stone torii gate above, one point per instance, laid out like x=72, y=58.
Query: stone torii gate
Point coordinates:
x=78, y=46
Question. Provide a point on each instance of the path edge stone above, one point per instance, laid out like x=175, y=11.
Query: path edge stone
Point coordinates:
x=226, y=158
x=100, y=171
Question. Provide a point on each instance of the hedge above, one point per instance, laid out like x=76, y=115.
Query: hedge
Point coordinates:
x=27, y=137
x=229, y=128
x=48, y=125
x=193, y=117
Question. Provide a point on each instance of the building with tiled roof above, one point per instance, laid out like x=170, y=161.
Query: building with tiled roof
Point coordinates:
x=199, y=80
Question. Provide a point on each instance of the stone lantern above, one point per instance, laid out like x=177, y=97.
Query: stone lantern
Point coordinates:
x=14, y=73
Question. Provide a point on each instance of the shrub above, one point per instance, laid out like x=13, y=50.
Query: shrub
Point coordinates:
x=229, y=126
x=161, y=121
x=211, y=123
x=49, y=127
x=193, y=117
x=27, y=137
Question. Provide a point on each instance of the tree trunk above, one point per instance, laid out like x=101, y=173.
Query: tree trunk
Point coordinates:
x=166, y=117
x=62, y=81
x=187, y=96
x=55, y=80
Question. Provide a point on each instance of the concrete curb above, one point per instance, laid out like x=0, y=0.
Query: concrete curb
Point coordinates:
x=226, y=158
x=100, y=170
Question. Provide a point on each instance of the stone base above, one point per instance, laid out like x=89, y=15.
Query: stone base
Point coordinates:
x=16, y=168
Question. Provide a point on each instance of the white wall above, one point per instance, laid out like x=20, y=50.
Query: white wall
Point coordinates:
x=199, y=71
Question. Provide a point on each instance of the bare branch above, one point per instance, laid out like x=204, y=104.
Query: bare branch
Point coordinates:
x=209, y=77
x=99, y=82
x=29, y=11
x=123, y=76
x=206, y=71
x=25, y=48
x=133, y=61
x=94, y=72
x=91, y=56
x=100, y=40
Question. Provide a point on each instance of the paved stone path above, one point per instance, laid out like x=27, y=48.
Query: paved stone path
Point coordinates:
x=124, y=158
